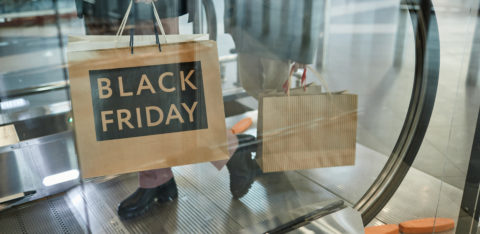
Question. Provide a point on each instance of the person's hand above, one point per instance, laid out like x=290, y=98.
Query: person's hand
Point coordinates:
x=145, y=1
x=296, y=66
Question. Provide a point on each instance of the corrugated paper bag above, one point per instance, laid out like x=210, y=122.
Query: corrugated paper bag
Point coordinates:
x=307, y=129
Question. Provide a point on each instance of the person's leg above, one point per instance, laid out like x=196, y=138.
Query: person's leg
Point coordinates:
x=154, y=178
x=242, y=168
x=154, y=185
x=159, y=185
x=256, y=75
x=275, y=73
x=232, y=141
x=250, y=76
x=250, y=73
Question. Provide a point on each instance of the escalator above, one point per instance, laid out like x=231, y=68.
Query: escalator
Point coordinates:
x=277, y=203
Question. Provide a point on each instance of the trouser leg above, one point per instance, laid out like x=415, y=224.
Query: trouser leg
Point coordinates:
x=232, y=146
x=253, y=80
x=157, y=177
x=154, y=178
x=250, y=73
x=275, y=73
x=259, y=74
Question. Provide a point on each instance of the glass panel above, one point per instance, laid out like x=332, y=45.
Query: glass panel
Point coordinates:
x=225, y=116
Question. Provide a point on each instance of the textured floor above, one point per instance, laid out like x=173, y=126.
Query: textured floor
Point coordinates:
x=45, y=216
x=205, y=204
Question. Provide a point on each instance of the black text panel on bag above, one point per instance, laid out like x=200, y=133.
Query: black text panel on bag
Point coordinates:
x=148, y=100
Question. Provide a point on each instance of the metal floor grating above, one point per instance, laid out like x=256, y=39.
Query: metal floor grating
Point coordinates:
x=45, y=216
x=205, y=204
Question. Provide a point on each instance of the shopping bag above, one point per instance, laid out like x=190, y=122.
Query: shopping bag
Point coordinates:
x=146, y=110
x=306, y=129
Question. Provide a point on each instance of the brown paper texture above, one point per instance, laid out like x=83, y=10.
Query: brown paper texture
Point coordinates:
x=99, y=158
x=306, y=130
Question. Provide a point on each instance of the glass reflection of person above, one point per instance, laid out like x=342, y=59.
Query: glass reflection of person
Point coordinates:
x=269, y=35
x=102, y=17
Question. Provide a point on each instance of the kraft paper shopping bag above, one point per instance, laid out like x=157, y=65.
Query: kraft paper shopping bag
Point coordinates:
x=306, y=129
x=146, y=110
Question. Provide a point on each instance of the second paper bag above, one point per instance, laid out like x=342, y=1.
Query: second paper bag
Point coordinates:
x=306, y=130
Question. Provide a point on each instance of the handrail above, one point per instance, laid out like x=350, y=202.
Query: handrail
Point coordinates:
x=308, y=218
x=35, y=89
x=427, y=50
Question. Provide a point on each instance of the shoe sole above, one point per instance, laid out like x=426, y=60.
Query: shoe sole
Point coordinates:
x=172, y=196
x=136, y=214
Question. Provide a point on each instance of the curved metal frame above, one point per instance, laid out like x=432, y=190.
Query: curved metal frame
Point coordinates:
x=427, y=51
x=418, y=116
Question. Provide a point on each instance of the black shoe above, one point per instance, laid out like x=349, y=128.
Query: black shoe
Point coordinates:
x=242, y=167
x=141, y=200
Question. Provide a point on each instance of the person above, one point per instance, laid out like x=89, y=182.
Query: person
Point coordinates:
x=271, y=37
x=104, y=17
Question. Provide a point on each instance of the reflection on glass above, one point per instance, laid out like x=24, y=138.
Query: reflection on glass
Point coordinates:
x=294, y=144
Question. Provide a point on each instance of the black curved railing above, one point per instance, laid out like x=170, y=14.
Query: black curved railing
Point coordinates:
x=427, y=63
x=427, y=55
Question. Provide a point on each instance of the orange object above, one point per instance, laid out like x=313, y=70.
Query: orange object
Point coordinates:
x=382, y=229
x=242, y=125
x=427, y=225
